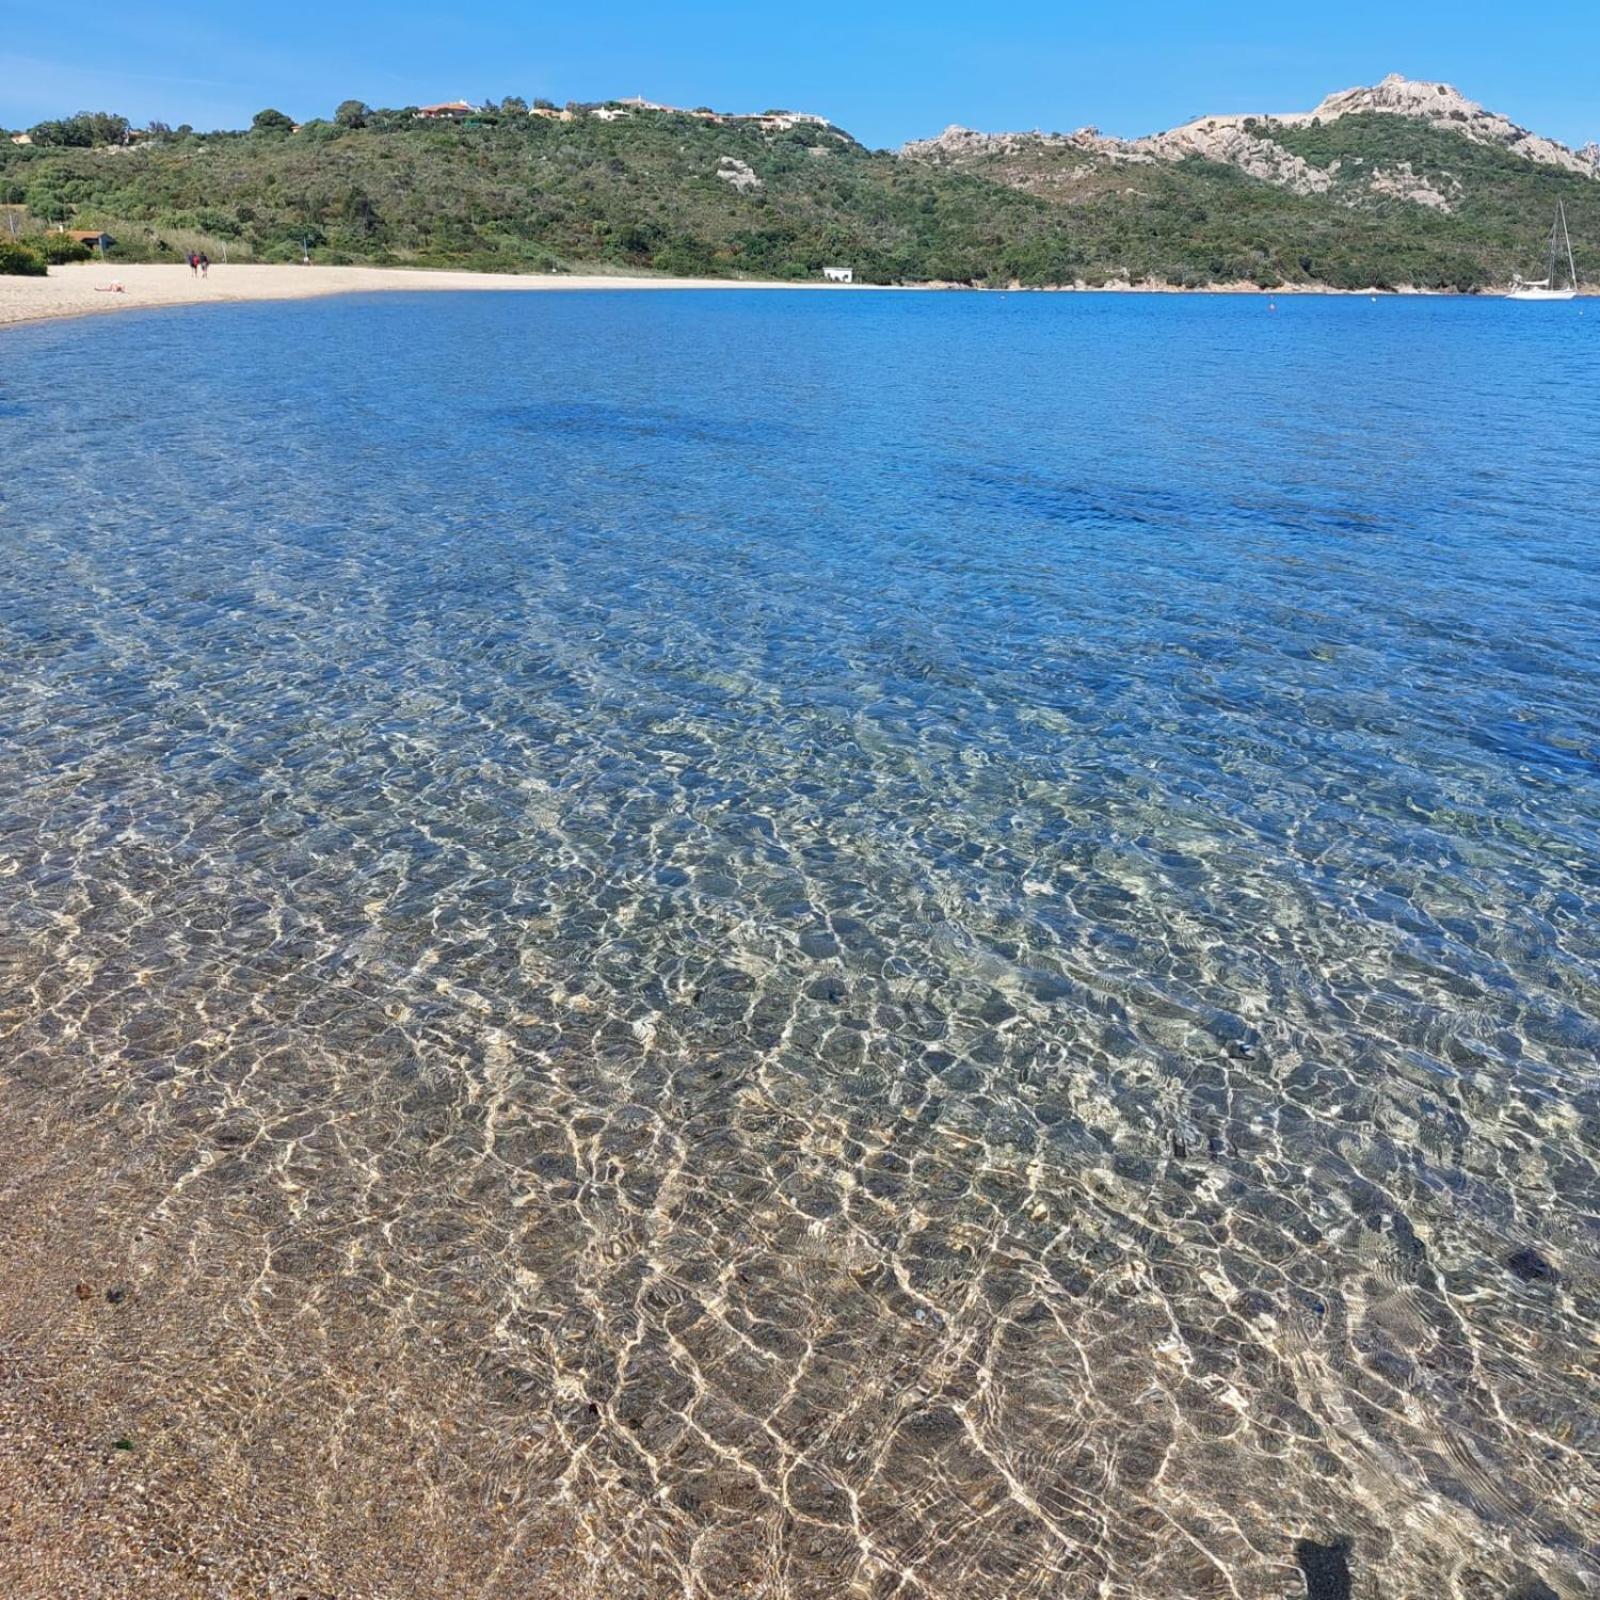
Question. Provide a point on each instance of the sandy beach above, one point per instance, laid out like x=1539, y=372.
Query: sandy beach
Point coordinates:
x=88, y=288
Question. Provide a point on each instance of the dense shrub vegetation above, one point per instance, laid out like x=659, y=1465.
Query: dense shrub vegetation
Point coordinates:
x=675, y=193
x=17, y=260
x=58, y=248
x=519, y=192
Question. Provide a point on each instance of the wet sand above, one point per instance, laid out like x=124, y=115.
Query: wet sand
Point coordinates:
x=268, y=1470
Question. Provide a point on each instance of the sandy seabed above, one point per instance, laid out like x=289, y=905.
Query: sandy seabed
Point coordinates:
x=265, y=1330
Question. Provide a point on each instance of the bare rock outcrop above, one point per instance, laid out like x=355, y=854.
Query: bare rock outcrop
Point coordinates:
x=1401, y=182
x=738, y=174
x=1226, y=139
x=956, y=144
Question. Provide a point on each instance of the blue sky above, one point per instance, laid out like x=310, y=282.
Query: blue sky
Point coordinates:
x=889, y=71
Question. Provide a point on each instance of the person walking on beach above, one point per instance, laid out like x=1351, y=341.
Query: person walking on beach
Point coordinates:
x=194, y=265
x=205, y=264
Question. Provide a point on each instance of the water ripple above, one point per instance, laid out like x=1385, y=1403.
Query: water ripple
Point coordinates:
x=930, y=946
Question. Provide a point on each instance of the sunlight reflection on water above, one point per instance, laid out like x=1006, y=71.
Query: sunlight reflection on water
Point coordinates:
x=933, y=946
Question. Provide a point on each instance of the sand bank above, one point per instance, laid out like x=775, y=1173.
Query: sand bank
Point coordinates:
x=86, y=288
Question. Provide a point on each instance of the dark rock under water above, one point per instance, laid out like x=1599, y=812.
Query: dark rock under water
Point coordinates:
x=1325, y=1567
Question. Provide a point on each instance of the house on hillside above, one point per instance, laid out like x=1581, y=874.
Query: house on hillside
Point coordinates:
x=22, y=138
x=95, y=238
x=446, y=111
x=839, y=274
x=787, y=121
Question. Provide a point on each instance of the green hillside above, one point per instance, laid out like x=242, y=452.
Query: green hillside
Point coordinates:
x=1197, y=221
x=679, y=193
x=521, y=193
x=1501, y=204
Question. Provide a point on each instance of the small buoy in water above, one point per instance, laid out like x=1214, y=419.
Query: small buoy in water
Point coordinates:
x=1272, y=305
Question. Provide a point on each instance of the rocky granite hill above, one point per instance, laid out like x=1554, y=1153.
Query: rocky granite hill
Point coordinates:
x=1270, y=147
x=1256, y=143
x=1401, y=184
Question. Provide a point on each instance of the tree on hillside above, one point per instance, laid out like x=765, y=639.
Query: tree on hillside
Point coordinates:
x=55, y=133
x=270, y=121
x=84, y=131
x=105, y=127
x=352, y=114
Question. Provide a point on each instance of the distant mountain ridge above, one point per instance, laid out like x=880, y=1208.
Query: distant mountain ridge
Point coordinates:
x=1253, y=143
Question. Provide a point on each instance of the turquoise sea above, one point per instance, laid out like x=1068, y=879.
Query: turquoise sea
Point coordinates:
x=939, y=946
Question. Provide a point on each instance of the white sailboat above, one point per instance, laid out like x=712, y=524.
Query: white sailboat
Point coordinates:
x=1547, y=287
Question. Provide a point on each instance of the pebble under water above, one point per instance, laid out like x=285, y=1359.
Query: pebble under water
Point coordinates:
x=809, y=946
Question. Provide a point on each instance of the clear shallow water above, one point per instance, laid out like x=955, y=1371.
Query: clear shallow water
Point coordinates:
x=812, y=946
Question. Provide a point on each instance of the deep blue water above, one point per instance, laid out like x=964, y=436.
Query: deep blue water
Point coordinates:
x=939, y=943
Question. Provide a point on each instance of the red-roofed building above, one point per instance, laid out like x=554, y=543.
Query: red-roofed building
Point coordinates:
x=446, y=111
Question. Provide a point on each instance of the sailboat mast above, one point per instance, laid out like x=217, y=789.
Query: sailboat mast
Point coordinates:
x=1548, y=287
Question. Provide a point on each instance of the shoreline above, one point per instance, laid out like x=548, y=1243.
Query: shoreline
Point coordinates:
x=84, y=289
